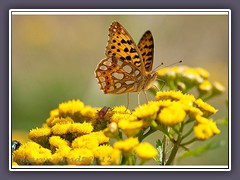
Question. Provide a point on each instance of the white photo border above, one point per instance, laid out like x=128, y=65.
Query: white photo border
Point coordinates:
x=13, y=12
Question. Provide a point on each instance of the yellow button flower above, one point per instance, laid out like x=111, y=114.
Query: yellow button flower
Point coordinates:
x=80, y=157
x=172, y=115
x=31, y=153
x=147, y=111
x=130, y=128
x=205, y=107
x=126, y=145
x=146, y=151
x=203, y=131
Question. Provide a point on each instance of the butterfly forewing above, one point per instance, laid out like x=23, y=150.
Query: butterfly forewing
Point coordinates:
x=121, y=45
x=146, y=47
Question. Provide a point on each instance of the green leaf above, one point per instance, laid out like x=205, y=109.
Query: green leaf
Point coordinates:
x=159, y=147
x=200, y=150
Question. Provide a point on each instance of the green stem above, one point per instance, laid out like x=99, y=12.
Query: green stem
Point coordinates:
x=176, y=146
x=163, y=150
x=188, y=142
x=188, y=133
x=150, y=131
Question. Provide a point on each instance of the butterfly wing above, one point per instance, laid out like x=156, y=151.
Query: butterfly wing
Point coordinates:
x=146, y=47
x=116, y=76
x=121, y=45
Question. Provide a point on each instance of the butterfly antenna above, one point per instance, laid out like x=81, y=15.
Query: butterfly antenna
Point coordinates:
x=158, y=66
x=174, y=63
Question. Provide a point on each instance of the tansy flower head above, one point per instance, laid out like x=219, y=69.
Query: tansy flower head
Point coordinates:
x=106, y=155
x=86, y=142
x=126, y=145
x=205, y=129
x=59, y=120
x=118, y=117
x=146, y=151
x=80, y=128
x=80, y=156
x=172, y=115
x=121, y=109
x=58, y=142
x=31, y=153
x=218, y=88
x=205, y=108
x=99, y=136
x=205, y=87
x=169, y=95
x=40, y=135
x=70, y=108
x=130, y=128
x=60, y=155
x=147, y=111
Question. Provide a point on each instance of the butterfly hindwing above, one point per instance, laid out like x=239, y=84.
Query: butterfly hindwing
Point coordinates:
x=116, y=76
x=146, y=47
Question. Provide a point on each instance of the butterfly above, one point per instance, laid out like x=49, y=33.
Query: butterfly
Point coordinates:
x=127, y=66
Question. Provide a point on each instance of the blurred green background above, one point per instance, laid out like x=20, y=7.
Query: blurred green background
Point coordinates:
x=54, y=58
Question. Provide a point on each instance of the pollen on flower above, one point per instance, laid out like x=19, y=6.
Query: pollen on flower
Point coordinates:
x=146, y=151
x=126, y=145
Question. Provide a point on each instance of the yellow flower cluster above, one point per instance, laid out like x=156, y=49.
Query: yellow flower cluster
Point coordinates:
x=185, y=78
x=68, y=137
x=76, y=134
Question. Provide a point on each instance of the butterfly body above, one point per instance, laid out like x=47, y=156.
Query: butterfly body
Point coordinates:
x=127, y=66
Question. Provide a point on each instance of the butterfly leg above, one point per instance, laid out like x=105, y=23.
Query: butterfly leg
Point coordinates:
x=127, y=101
x=145, y=95
x=139, y=98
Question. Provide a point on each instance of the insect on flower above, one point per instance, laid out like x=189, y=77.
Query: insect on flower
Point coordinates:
x=15, y=145
x=127, y=66
x=102, y=112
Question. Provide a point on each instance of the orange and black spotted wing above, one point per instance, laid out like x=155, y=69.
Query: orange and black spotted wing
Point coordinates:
x=122, y=46
x=146, y=47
